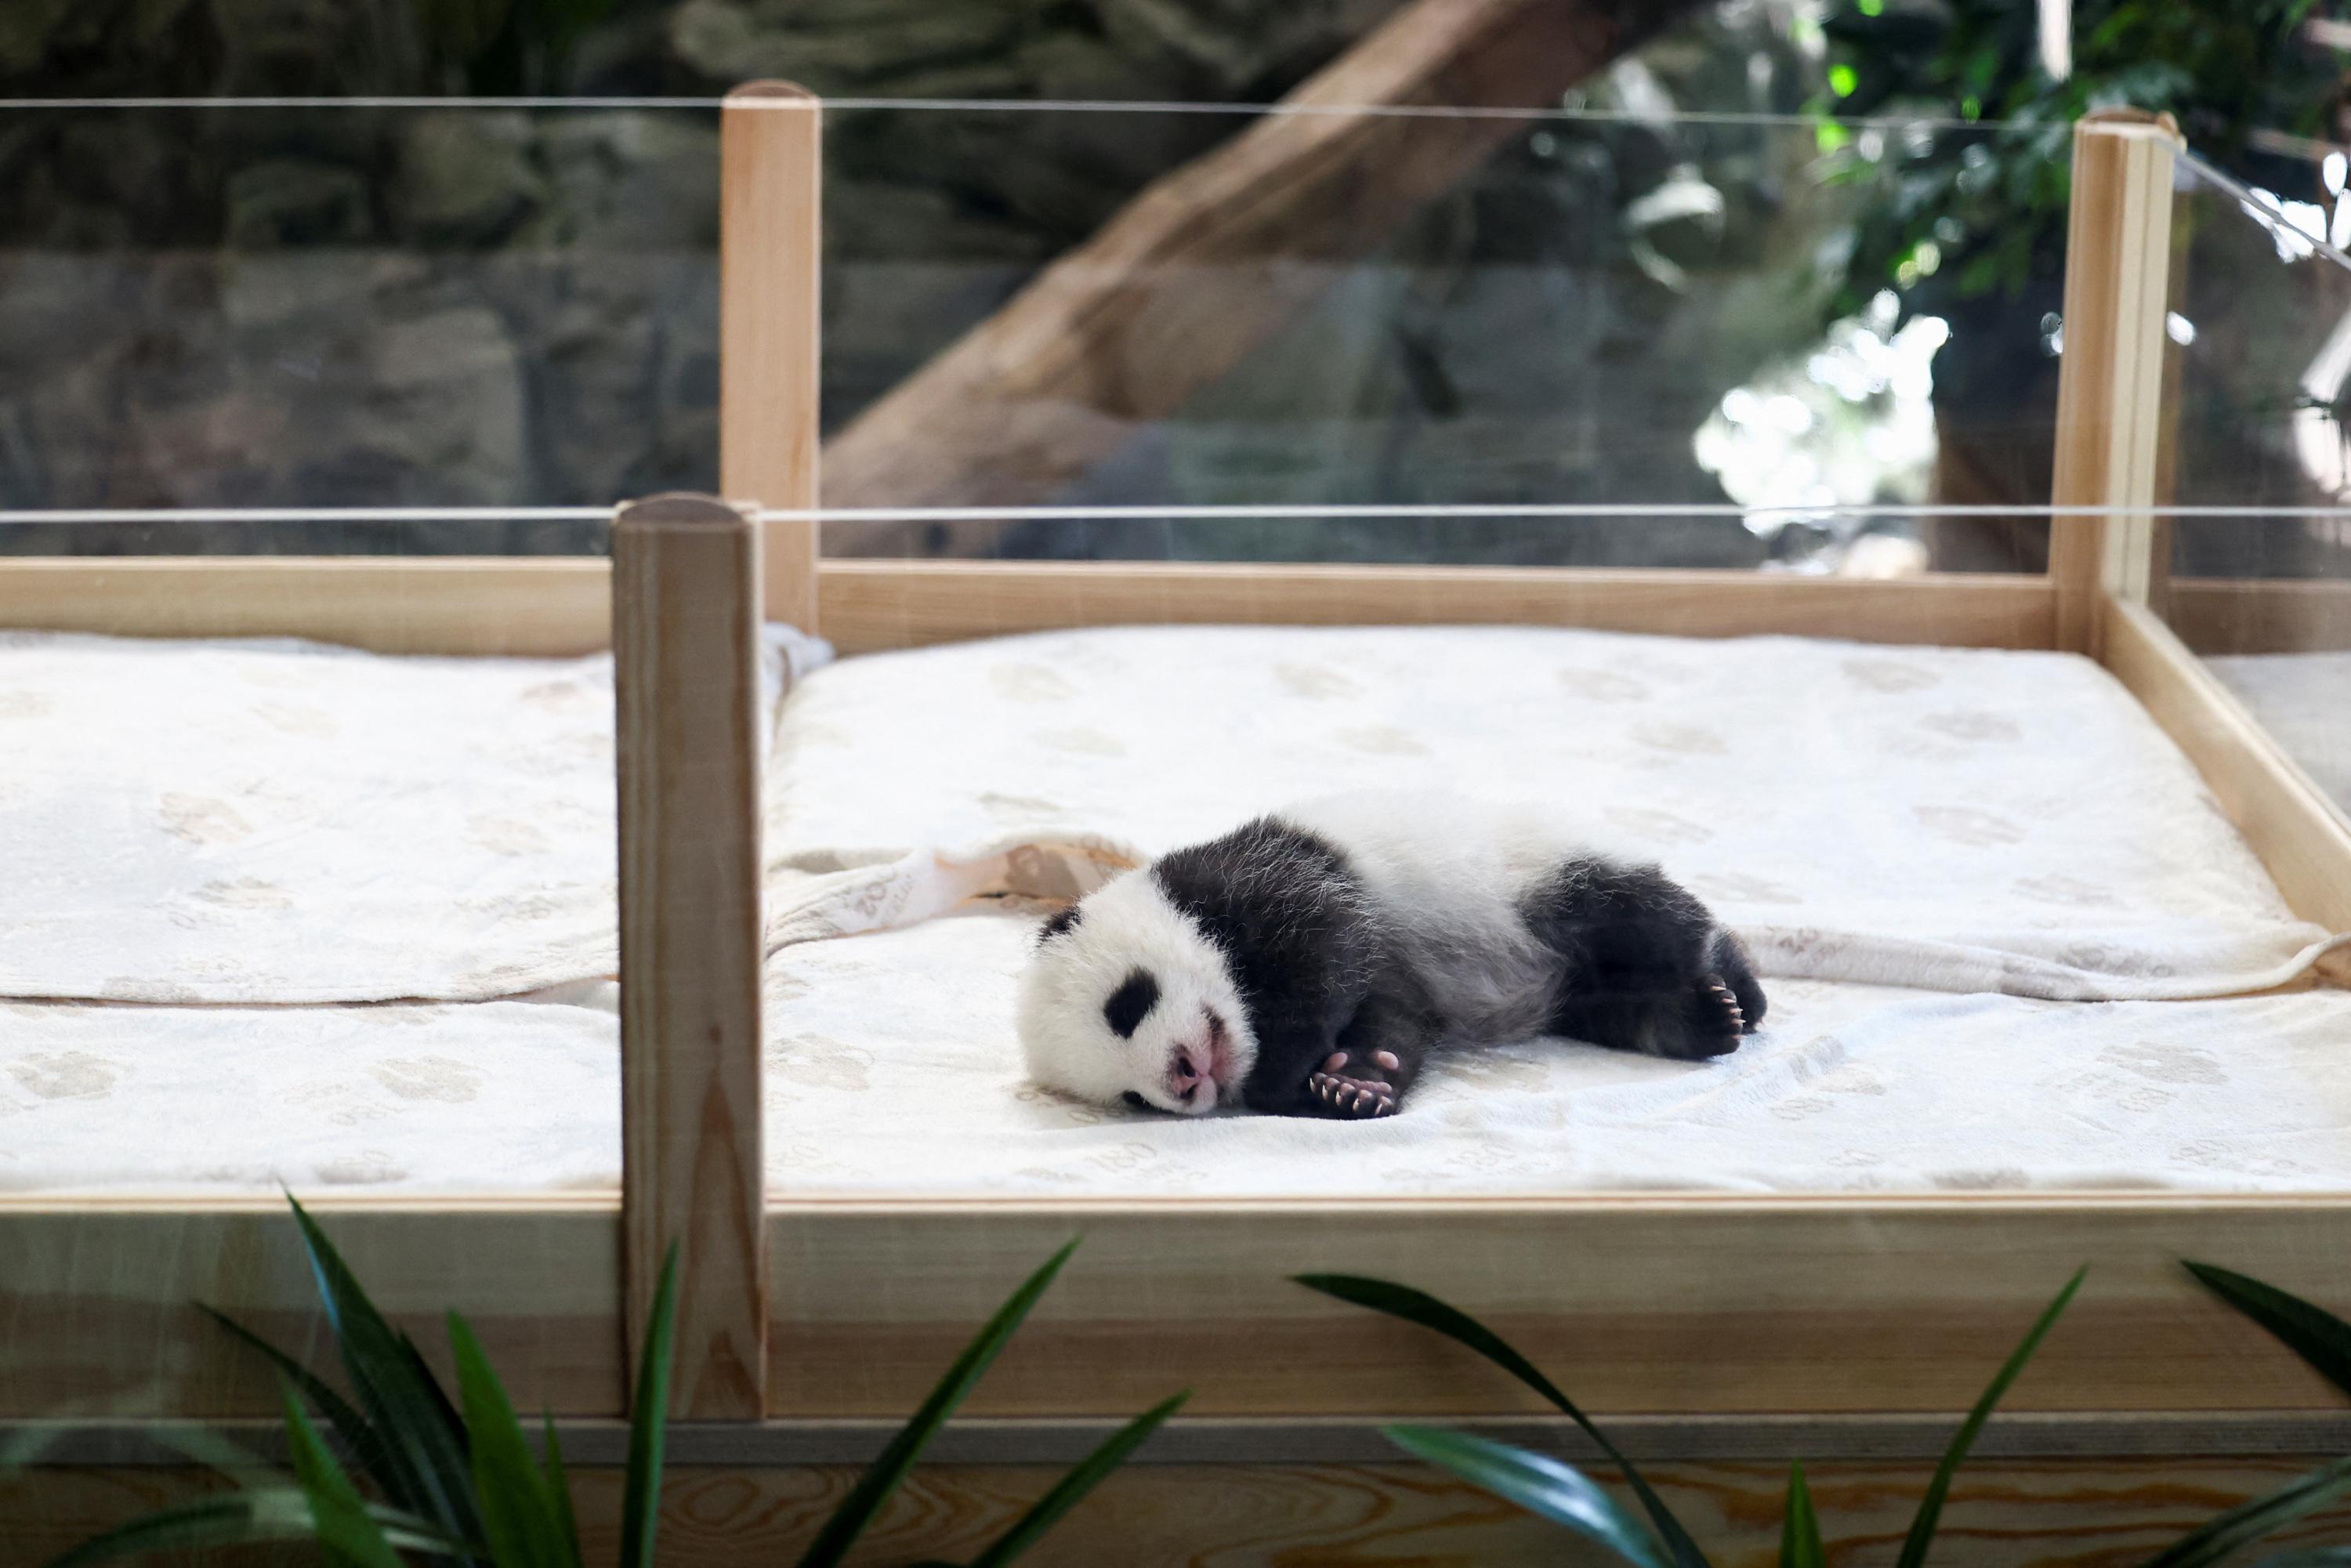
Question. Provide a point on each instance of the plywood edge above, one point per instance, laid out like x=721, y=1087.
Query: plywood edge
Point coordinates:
x=868, y=606
x=450, y=605
x=2301, y=836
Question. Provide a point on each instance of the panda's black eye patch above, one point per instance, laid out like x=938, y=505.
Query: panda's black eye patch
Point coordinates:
x=1131, y=1003
x=1137, y=1101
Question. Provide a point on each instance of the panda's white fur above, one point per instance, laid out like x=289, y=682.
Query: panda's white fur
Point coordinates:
x=1445, y=875
x=1128, y=925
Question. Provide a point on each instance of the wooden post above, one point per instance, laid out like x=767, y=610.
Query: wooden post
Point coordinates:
x=2110, y=384
x=685, y=629
x=771, y=174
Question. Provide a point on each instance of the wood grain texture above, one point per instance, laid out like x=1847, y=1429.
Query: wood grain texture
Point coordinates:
x=1207, y=263
x=2111, y=1514
x=98, y=1316
x=685, y=630
x=1666, y=1305
x=483, y=606
x=2110, y=383
x=2302, y=835
x=874, y=605
x=771, y=171
x=2259, y=615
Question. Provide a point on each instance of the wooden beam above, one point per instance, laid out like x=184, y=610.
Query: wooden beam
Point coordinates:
x=1682, y=1305
x=772, y=175
x=2110, y=383
x=872, y=605
x=685, y=630
x=2303, y=837
x=100, y=1296
x=457, y=605
x=2260, y=615
x=1203, y=264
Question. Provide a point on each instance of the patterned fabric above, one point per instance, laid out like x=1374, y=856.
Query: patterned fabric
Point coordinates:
x=409, y=1098
x=279, y=822
x=893, y=1069
x=1951, y=819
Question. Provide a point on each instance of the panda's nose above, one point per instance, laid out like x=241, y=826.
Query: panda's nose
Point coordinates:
x=1187, y=1071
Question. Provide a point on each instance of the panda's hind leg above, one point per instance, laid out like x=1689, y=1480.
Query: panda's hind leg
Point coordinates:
x=1644, y=965
x=1373, y=1061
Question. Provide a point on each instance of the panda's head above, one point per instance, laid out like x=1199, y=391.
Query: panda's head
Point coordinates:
x=1124, y=999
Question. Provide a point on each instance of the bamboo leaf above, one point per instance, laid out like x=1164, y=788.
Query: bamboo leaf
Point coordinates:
x=366, y=1443
x=1419, y=1307
x=1930, y=1507
x=1799, y=1527
x=1538, y=1483
x=338, y=1514
x=2310, y=1331
x=558, y=1493
x=2241, y=1526
x=1072, y=1489
x=649, y=1424
x=882, y=1478
x=520, y=1525
x=277, y=1514
x=421, y=1435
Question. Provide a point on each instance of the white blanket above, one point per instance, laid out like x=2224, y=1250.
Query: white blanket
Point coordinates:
x=892, y=1071
x=1948, y=819
x=256, y=822
x=505, y=1096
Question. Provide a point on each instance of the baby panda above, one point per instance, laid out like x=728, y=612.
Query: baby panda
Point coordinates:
x=1306, y=963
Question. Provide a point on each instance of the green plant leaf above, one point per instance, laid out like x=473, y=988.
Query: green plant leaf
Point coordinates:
x=649, y=1424
x=366, y=1443
x=277, y=1513
x=1930, y=1507
x=1799, y=1527
x=338, y=1514
x=558, y=1494
x=518, y=1523
x=422, y=1438
x=1072, y=1489
x=882, y=1478
x=2310, y=1557
x=1538, y=1483
x=1419, y=1307
x=2310, y=1331
x=2225, y=1533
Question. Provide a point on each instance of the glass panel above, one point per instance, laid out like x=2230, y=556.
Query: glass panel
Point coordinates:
x=2262, y=336
x=346, y=306
x=1593, y=309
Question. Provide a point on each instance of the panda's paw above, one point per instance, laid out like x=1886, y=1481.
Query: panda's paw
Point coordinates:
x=1351, y=1099
x=1713, y=1020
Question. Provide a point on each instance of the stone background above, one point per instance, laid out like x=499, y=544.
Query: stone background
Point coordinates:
x=484, y=306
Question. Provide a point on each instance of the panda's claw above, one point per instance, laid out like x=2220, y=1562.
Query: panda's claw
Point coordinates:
x=1353, y=1098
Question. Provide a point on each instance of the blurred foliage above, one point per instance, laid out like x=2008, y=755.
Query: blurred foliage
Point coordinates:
x=1971, y=215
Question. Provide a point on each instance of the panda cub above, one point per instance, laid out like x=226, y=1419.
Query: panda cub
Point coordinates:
x=1305, y=964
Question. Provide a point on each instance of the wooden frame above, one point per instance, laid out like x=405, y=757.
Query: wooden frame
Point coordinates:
x=1733, y=1327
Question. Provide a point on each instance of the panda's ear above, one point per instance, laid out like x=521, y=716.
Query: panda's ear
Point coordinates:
x=1060, y=924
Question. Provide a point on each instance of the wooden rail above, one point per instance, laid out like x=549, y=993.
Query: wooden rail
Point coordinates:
x=686, y=634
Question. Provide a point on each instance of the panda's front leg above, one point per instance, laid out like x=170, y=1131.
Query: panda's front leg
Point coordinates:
x=1374, y=1060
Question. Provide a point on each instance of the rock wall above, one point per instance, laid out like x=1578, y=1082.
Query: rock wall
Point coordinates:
x=354, y=306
